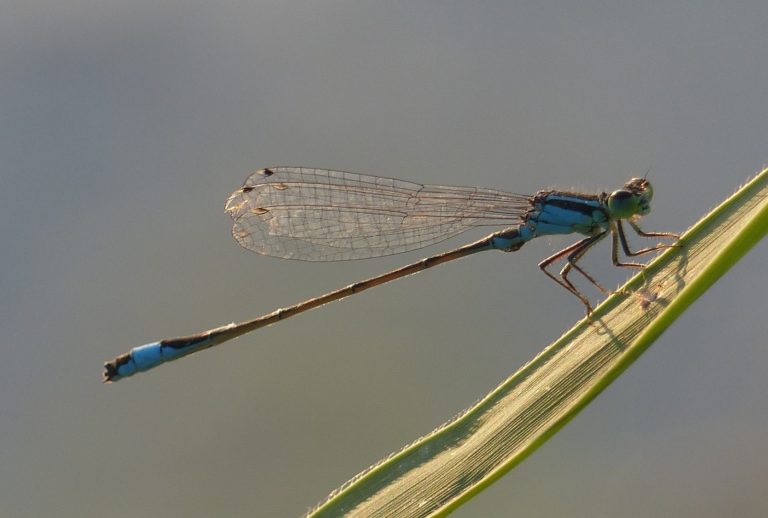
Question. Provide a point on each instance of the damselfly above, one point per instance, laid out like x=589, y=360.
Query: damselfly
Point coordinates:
x=321, y=215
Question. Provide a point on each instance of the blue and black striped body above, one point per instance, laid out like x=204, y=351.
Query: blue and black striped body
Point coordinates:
x=556, y=213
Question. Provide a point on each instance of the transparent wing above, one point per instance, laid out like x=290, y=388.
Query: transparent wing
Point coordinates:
x=321, y=215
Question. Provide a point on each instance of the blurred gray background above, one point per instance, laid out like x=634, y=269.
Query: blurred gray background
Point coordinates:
x=125, y=125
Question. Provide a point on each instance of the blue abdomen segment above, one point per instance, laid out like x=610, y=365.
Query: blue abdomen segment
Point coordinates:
x=510, y=239
x=149, y=356
x=138, y=359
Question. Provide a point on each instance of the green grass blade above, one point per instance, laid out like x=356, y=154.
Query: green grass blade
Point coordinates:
x=444, y=469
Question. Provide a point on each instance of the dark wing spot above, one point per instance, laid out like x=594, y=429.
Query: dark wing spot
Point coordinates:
x=267, y=172
x=247, y=189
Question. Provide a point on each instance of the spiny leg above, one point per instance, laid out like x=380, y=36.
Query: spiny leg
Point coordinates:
x=618, y=230
x=643, y=233
x=568, y=286
x=575, y=256
x=573, y=252
x=617, y=236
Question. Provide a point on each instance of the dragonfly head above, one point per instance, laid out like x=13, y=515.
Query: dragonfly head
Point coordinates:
x=632, y=200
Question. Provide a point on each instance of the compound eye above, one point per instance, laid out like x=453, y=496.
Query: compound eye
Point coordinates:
x=648, y=191
x=622, y=204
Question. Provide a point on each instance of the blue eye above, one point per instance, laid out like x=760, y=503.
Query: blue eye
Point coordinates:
x=623, y=204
